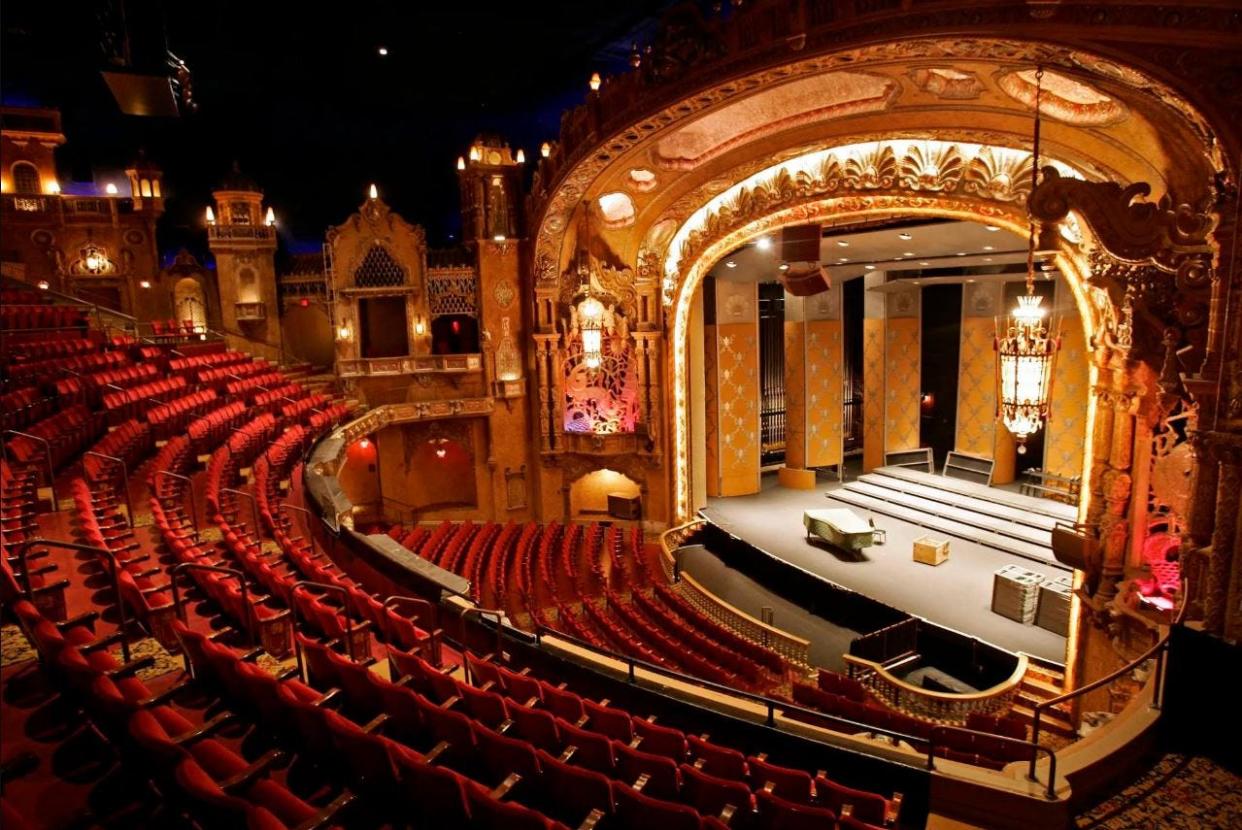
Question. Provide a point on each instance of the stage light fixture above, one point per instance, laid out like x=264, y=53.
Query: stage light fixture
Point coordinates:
x=383, y=51
x=1026, y=352
x=904, y=237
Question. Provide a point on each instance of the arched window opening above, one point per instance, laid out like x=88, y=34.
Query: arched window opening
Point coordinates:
x=26, y=178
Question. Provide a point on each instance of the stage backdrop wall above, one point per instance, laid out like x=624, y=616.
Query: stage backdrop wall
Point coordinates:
x=813, y=394
x=902, y=372
x=873, y=372
x=734, y=400
x=976, y=391
x=1071, y=386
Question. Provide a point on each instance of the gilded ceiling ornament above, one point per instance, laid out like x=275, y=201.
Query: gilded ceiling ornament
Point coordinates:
x=946, y=82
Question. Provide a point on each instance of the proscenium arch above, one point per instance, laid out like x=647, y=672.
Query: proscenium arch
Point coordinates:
x=839, y=210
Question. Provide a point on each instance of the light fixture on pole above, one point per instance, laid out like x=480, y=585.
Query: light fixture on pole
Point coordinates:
x=1025, y=350
x=591, y=327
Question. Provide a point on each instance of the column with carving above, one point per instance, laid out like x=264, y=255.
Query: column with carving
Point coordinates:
x=1196, y=549
x=1118, y=486
x=1225, y=450
x=647, y=352
x=545, y=350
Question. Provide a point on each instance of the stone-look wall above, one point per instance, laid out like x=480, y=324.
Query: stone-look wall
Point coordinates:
x=902, y=372
x=735, y=396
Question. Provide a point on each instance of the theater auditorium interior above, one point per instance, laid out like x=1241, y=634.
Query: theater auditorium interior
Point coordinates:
x=786, y=414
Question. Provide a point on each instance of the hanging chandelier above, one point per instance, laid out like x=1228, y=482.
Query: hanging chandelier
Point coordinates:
x=591, y=328
x=1025, y=350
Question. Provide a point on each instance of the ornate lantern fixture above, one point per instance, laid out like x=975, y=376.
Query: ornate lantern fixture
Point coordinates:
x=1025, y=350
x=591, y=328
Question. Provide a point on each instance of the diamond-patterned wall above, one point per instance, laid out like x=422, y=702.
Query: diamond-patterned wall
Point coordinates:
x=824, y=403
x=738, y=406
x=976, y=388
x=796, y=381
x=1071, y=385
x=902, y=364
x=873, y=393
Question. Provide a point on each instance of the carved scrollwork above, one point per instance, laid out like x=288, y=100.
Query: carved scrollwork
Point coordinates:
x=1152, y=256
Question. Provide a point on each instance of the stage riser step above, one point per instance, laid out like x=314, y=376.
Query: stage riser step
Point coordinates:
x=997, y=512
x=958, y=514
x=1054, y=510
x=982, y=537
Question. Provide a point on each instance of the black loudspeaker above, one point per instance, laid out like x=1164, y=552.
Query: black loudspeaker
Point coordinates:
x=624, y=507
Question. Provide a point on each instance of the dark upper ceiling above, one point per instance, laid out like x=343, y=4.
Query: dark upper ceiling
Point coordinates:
x=298, y=94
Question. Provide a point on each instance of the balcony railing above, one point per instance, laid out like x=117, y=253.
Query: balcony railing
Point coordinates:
x=249, y=311
x=258, y=233
x=411, y=365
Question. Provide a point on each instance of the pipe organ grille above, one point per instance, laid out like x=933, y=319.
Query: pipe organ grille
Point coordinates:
x=772, y=372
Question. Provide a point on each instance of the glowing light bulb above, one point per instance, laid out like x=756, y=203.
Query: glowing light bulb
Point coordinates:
x=144, y=283
x=545, y=149
x=373, y=192
x=270, y=219
x=211, y=216
x=364, y=444
x=763, y=243
x=110, y=189
x=461, y=163
x=53, y=187
x=43, y=285
x=595, y=82
x=441, y=452
x=419, y=328
x=475, y=153
x=521, y=156
x=383, y=51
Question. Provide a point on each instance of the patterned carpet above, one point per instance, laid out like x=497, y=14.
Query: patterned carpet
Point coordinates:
x=1177, y=793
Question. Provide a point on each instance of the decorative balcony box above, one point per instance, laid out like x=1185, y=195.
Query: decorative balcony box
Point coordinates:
x=246, y=312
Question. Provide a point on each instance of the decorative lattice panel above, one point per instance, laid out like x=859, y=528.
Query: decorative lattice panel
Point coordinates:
x=603, y=401
x=378, y=270
x=453, y=293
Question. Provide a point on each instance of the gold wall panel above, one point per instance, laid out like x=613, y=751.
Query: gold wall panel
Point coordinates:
x=738, y=408
x=976, y=388
x=797, y=416
x=1067, y=420
x=824, y=404
x=901, y=384
x=873, y=393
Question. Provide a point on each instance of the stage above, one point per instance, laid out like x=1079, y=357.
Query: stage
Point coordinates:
x=956, y=594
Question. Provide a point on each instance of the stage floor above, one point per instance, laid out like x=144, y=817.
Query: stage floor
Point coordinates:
x=956, y=594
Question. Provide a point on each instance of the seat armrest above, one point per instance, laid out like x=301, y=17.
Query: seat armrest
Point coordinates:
x=251, y=773
x=511, y=781
x=593, y=818
x=327, y=815
x=582, y=722
x=892, y=810
x=567, y=754
x=451, y=702
x=330, y=696
x=726, y=813
x=131, y=667
x=376, y=723
x=504, y=726
x=436, y=751
x=211, y=726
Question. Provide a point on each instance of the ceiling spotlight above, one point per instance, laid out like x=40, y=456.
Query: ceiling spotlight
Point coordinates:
x=992, y=228
x=843, y=259
x=915, y=282
x=989, y=247
x=904, y=236
x=383, y=51
x=763, y=243
x=924, y=263
x=730, y=264
x=784, y=266
x=908, y=253
x=971, y=282
x=841, y=243
x=869, y=267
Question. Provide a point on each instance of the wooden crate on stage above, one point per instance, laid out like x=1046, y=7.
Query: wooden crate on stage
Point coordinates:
x=930, y=550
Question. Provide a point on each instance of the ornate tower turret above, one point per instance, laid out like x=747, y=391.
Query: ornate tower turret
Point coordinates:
x=146, y=185
x=490, y=184
x=242, y=236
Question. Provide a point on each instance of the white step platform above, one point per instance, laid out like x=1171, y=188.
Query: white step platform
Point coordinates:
x=1000, y=519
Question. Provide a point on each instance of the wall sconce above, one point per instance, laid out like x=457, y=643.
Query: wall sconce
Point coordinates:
x=144, y=283
x=43, y=285
x=211, y=216
x=441, y=448
x=344, y=332
x=110, y=189
x=270, y=219
x=364, y=443
x=53, y=187
x=545, y=149
x=96, y=261
x=595, y=82
x=419, y=327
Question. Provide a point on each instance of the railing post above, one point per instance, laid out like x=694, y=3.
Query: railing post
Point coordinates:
x=254, y=509
x=189, y=490
x=1038, y=712
x=129, y=504
x=47, y=454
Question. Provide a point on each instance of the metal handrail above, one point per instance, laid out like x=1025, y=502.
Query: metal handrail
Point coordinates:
x=196, y=566
x=129, y=502
x=47, y=454
x=1051, y=790
x=22, y=549
x=254, y=508
x=483, y=613
x=349, y=622
x=434, y=613
x=771, y=704
x=1159, y=651
x=190, y=490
